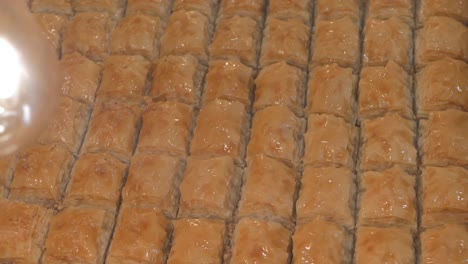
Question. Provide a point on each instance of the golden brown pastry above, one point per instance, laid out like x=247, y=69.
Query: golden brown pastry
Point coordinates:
x=209, y=188
x=388, y=141
x=386, y=40
x=137, y=35
x=236, y=37
x=166, y=128
x=444, y=138
x=114, y=8
x=329, y=141
x=159, y=8
x=177, y=78
x=140, y=236
x=63, y=7
x=260, y=242
x=221, y=130
x=52, y=26
x=457, y=9
x=41, y=174
x=441, y=37
x=444, y=244
x=7, y=166
x=385, y=89
x=285, y=40
x=153, y=181
x=89, y=34
x=250, y=8
x=205, y=7
x=441, y=85
x=81, y=77
x=444, y=195
x=275, y=133
x=384, y=9
x=327, y=192
x=321, y=242
x=96, y=180
x=336, y=9
x=387, y=198
x=280, y=84
x=187, y=32
x=123, y=77
x=268, y=190
x=291, y=9
x=197, y=241
x=343, y=36
x=67, y=126
x=384, y=245
x=78, y=235
x=113, y=129
x=23, y=229
x=331, y=91
x=229, y=80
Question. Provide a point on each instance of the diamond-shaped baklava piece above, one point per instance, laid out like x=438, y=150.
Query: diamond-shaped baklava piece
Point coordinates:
x=159, y=8
x=52, y=26
x=293, y=9
x=451, y=8
x=250, y=8
x=383, y=9
x=337, y=9
x=444, y=244
x=205, y=7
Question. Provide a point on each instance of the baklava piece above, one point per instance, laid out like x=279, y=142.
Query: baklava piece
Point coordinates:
x=444, y=244
x=153, y=181
x=388, y=141
x=78, y=235
x=7, y=166
x=63, y=7
x=268, y=190
x=328, y=193
x=52, y=26
x=385, y=89
x=177, y=78
x=67, y=125
x=343, y=36
x=123, y=77
x=81, y=77
x=221, y=130
x=113, y=129
x=384, y=9
x=444, y=138
x=444, y=195
x=147, y=229
x=197, y=240
x=441, y=37
x=250, y=8
x=387, y=198
x=137, y=35
x=441, y=85
x=386, y=40
x=236, y=37
x=280, y=84
x=23, y=229
x=41, y=174
x=166, y=128
x=293, y=9
x=451, y=8
x=209, y=188
x=330, y=10
x=384, y=245
x=96, y=180
x=158, y=8
x=89, y=34
x=331, y=90
x=205, y=7
x=229, y=80
x=276, y=133
x=258, y=241
x=285, y=40
x=187, y=32
x=320, y=241
x=329, y=141
x=114, y=8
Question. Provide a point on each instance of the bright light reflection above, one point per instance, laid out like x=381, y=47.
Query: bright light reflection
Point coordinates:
x=11, y=70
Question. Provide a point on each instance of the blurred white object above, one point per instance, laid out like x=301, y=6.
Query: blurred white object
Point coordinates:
x=29, y=77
